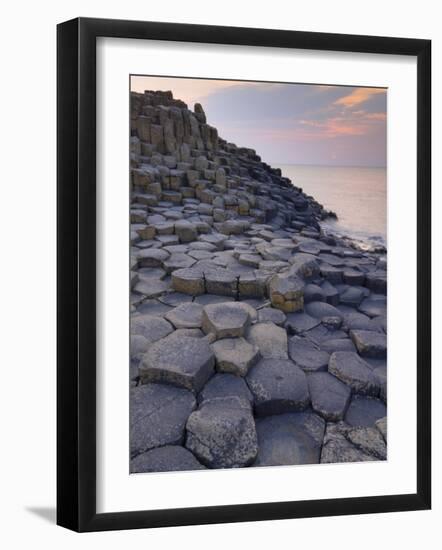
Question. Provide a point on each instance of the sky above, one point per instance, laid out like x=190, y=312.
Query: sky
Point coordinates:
x=289, y=123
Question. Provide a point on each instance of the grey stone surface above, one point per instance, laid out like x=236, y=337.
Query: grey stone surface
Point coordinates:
x=151, y=327
x=272, y=315
x=337, y=448
x=307, y=355
x=330, y=397
x=189, y=281
x=226, y=320
x=364, y=411
x=158, y=415
x=368, y=440
x=297, y=323
x=353, y=371
x=179, y=360
x=222, y=434
x=318, y=310
x=381, y=425
x=170, y=458
x=226, y=385
x=278, y=386
x=286, y=292
x=291, y=438
x=369, y=343
x=270, y=339
x=152, y=257
x=187, y=315
x=235, y=355
x=222, y=281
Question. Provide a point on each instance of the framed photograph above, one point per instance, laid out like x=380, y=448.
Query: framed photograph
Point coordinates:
x=227, y=201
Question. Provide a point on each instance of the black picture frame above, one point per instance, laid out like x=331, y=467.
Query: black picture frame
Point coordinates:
x=76, y=274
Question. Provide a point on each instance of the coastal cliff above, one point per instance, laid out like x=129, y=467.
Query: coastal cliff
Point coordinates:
x=265, y=337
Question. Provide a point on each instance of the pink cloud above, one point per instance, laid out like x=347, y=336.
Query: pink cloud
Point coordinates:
x=357, y=96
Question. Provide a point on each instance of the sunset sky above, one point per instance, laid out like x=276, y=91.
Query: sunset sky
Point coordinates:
x=289, y=123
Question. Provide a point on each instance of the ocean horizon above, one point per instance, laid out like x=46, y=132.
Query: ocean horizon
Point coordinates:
x=357, y=194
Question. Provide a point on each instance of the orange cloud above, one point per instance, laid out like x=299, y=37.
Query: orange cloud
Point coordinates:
x=360, y=95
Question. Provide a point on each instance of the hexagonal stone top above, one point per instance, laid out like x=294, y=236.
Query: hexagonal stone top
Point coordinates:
x=226, y=320
x=278, y=386
x=179, y=360
x=370, y=343
x=187, y=315
x=158, y=415
x=270, y=339
x=330, y=397
x=152, y=328
x=353, y=371
x=235, y=355
x=222, y=434
x=225, y=385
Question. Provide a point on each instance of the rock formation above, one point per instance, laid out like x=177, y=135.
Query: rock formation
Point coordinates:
x=255, y=338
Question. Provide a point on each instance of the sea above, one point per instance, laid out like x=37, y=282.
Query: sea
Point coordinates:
x=358, y=196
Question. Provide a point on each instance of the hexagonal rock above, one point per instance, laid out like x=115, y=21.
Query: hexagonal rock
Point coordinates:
x=271, y=315
x=270, y=339
x=337, y=344
x=278, y=386
x=235, y=355
x=251, y=286
x=158, y=415
x=307, y=356
x=151, y=288
x=186, y=231
x=373, y=308
x=291, y=438
x=178, y=261
x=319, y=310
x=222, y=282
x=222, y=434
x=353, y=371
x=330, y=397
x=152, y=257
x=226, y=385
x=286, y=292
x=170, y=458
x=337, y=448
x=226, y=320
x=297, y=323
x=369, y=343
x=365, y=411
x=304, y=266
x=368, y=440
x=377, y=281
x=152, y=328
x=179, y=360
x=187, y=315
x=188, y=281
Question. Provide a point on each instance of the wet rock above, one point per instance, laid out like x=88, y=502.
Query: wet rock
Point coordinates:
x=369, y=343
x=187, y=315
x=353, y=277
x=222, y=434
x=313, y=293
x=353, y=371
x=226, y=385
x=330, y=397
x=278, y=386
x=331, y=293
x=337, y=344
x=270, y=339
x=170, y=458
x=353, y=296
x=179, y=360
x=365, y=411
x=235, y=355
x=291, y=438
x=319, y=310
x=377, y=281
x=372, y=308
x=158, y=415
x=226, y=320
